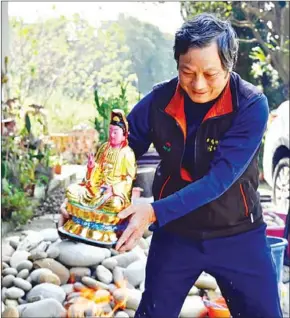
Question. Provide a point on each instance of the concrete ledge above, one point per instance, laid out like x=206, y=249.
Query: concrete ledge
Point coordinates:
x=6, y=227
x=69, y=174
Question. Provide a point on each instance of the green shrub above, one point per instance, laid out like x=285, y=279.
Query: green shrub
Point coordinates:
x=16, y=205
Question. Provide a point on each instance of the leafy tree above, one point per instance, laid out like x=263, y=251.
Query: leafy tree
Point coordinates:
x=150, y=51
x=67, y=53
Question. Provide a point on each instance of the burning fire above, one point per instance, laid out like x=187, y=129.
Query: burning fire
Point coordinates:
x=95, y=302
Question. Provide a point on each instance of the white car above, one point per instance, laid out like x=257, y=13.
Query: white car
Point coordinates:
x=276, y=157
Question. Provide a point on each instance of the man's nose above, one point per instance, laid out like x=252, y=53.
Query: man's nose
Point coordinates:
x=199, y=84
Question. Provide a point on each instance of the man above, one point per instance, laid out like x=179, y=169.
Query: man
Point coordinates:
x=207, y=126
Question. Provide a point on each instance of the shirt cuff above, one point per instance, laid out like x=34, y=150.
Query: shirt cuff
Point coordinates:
x=165, y=208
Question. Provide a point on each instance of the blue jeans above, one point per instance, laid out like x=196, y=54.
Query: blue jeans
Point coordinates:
x=242, y=265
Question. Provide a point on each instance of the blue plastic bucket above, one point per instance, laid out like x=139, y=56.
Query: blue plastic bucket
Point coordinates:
x=278, y=246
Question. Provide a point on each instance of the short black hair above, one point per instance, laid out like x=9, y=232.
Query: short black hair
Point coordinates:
x=201, y=31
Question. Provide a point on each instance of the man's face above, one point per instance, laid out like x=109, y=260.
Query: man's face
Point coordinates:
x=116, y=136
x=201, y=74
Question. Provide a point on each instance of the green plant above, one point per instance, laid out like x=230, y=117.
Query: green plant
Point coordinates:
x=15, y=204
x=104, y=107
x=17, y=166
x=262, y=65
x=42, y=180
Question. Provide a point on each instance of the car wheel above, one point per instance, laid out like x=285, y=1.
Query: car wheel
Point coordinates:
x=281, y=188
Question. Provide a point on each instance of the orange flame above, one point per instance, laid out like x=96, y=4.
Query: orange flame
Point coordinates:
x=72, y=279
x=95, y=300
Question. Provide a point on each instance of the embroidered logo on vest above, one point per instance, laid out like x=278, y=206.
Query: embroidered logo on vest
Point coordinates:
x=211, y=144
x=167, y=146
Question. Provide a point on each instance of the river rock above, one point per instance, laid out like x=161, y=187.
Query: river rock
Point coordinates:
x=14, y=241
x=140, y=253
x=9, y=271
x=193, y=291
x=4, y=265
x=18, y=257
x=49, y=234
x=104, y=275
x=23, y=284
x=21, y=301
x=47, y=290
x=76, y=273
x=57, y=268
x=148, y=239
x=7, y=281
x=80, y=255
x=11, y=302
x=122, y=260
x=78, y=310
x=143, y=243
x=35, y=298
x=49, y=278
x=112, y=288
x=37, y=255
x=118, y=275
x=6, y=259
x=3, y=292
x=142, y=286
x=130, y=312
x=193, y=306
x=110, y=263
x=24, y=273
x=14, y=293
x=102, y=296
x=30, y=241
x=73, y=295
x=26, y=264
x=47, y=307
x=131, y=296
x=7, y=249
x=121, y=314
x=10, y=312
x=135, y=273
x=29, y=279
x=107, y=309
x=206, y=281
x=52, y=251
x=92, y=283
x=79, y=286
x=42, y=247
x=36, y=274
x=114, y=252
x=68, y=288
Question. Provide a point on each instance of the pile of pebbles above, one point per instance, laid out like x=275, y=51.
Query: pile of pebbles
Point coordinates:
x=52, y=203
x=43, y=276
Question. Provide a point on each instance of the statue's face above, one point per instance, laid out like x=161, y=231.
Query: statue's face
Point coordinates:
x=116, y=136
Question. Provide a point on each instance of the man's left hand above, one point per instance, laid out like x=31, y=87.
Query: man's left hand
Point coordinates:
x=142, y=215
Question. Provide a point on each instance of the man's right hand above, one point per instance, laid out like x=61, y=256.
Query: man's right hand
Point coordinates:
x=64, y=216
